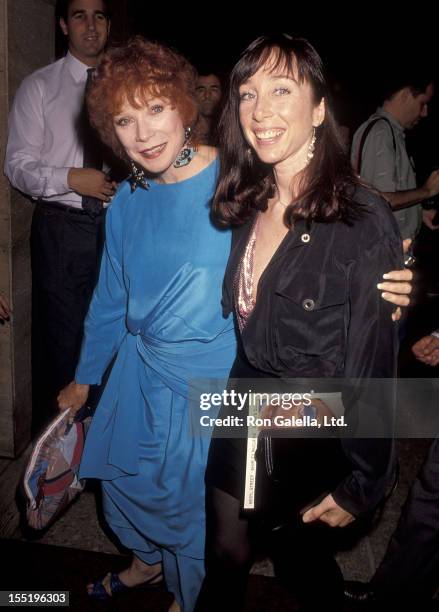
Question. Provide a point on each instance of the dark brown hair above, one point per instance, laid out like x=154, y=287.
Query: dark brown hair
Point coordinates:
x=245, y=183
x=62, y=9
x=134, y=72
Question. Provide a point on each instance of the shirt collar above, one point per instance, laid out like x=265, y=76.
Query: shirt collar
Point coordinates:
x=77, y=69
x=395, y=123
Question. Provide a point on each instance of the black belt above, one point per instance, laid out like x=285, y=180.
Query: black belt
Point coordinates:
x=72, y=210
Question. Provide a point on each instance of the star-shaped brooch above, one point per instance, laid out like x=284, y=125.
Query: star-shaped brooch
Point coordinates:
x=137, y=178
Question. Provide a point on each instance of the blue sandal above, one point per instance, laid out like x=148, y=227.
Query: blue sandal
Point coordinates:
x=99, y=592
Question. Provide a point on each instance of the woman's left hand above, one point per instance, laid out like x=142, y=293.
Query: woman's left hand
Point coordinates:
x=328, y=511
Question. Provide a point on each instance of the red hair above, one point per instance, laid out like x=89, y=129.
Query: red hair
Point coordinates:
x=134, y=73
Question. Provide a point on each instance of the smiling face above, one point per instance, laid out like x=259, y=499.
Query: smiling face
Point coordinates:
x=87, y=28
x=151, y=135
x=277, y=114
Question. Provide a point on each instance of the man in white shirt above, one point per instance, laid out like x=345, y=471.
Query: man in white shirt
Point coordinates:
x=48, y=158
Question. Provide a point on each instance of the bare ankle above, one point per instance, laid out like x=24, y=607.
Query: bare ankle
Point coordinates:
x=140, y=566
x=174, y=607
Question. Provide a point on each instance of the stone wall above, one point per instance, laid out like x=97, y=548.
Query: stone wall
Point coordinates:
x=26, y=43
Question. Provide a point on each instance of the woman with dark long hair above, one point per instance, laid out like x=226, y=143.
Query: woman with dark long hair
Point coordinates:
x=310, y=245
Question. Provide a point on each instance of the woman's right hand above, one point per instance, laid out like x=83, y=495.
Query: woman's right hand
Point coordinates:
x=73, y=396
x=271, y=411
x=328, y=511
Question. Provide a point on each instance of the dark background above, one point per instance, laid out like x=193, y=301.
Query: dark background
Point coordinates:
x=359, y=46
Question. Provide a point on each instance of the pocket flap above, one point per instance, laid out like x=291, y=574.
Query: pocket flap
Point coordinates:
x=312, y=291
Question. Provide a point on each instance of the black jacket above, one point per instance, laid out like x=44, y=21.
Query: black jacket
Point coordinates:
x=319, y=314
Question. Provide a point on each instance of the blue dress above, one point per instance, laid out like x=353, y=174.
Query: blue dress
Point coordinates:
x=157, y=305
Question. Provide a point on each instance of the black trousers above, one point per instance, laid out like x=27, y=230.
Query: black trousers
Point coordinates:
x=303, y=558
x=66, y=247
x=410, y=568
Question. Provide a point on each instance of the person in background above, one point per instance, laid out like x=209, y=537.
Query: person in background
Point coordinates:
x=379, y=153
x=408, y=575
x=427, y=349
x=208, y=92
x=53, y=157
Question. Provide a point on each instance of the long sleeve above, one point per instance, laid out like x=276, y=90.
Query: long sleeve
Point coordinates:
x=105, y=326
x=371, y=354
x=24, y=165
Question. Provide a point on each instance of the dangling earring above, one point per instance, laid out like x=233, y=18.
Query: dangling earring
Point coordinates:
x=137, y=177
x=248, y=152
x=187, y=153
x=311, y=146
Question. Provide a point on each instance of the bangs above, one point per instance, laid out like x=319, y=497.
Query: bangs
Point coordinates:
x=139, y=97
x=280, y=61
x=275, y=59
x=283, y=55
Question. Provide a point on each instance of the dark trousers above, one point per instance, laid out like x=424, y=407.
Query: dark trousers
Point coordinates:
x=410, y=568
x=303, y=557
x=66, y=246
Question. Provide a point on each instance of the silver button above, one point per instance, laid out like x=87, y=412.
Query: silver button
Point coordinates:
x=305, y=238
x=308, y=304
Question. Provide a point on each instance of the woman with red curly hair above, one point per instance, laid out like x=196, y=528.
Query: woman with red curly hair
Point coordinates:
x=157, y=306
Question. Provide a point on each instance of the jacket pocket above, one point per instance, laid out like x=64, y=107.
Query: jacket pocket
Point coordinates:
x=310, y=321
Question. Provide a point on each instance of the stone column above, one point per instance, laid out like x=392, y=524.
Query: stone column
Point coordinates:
x=26, y=43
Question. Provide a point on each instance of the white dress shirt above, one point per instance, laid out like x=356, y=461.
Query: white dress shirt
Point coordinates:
x=43, y=131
